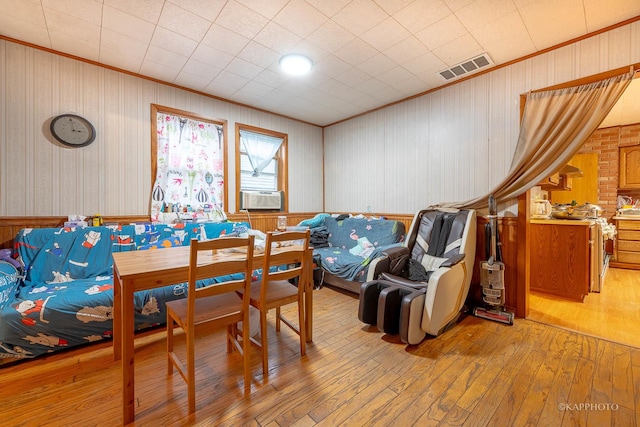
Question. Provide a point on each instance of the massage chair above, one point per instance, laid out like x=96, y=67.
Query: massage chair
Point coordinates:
x=420, y=288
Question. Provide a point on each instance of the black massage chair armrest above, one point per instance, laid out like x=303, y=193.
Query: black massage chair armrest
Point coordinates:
x=392, y=261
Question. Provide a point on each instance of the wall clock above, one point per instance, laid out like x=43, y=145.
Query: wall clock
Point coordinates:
x=72, y=130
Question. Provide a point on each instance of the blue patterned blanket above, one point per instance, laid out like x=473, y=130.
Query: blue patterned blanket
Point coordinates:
x=66, y=296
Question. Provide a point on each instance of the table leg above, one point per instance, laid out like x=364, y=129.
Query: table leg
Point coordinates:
x=128, y=350
x=308, y=298
x=117, y=317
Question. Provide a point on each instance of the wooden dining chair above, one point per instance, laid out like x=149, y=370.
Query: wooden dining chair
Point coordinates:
x=284, y=277
x=216, y=304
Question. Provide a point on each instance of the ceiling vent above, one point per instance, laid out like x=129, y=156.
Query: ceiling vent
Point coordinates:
x=466, y=67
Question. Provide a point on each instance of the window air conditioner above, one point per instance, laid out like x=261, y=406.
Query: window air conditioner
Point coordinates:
x=268, y=200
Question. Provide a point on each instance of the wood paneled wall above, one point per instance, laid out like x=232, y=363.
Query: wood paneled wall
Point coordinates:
x=112, y=176
x=456, y=143
x=10, y=226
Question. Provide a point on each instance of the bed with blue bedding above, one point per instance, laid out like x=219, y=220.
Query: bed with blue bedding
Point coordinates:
x=63, y=295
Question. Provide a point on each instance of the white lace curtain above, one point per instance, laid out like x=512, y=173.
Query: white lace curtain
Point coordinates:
x=555, y=124
x=260, y=149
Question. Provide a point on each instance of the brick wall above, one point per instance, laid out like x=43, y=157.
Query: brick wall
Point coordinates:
x=605, y=142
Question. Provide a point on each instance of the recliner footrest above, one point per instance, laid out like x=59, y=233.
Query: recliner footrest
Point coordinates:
x=389, y=310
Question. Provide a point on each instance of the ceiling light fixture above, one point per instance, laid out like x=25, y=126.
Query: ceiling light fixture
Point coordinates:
x=295, y=64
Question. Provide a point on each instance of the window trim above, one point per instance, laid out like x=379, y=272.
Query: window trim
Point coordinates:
x=281, y=157
x=155, y=109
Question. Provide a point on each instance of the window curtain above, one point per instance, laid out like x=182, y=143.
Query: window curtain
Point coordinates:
x=555, y=124
x=260, y=149
x=190, y=170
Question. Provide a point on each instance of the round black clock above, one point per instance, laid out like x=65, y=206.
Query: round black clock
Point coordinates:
x=72, y=130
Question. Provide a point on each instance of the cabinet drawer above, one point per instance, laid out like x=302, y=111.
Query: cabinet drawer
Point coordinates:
x=628, y=225
x=628, y=235
x=629, y=245
x=630, y=257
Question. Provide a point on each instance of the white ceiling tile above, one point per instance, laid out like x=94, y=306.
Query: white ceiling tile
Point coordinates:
x=353, y=76
x=385, y=34
x=277, y=38
x=600, y=14
x=267, y=8
x=331, y=66
x=441, y=32
x=407, y=50
x=333, y=87
x=394, y=76
x=259, y=54
x=225, y=40
x=174, y=18
x=540, y=23
x=28, y=11
x=270, y=78
x=393, y=6
x=458, y=50
x=69, y=43
x=158, y=71
x=508, y=27
x=89, y=11
x=411, y=86
x=115, y=58
x=300, y=18
x=172, y=42
x=127, y=45
x=420, y=14
x=127, y=24
x=208, y=10
x=328, y=8
x=164, y=57
x=192, y=81
x=426, y=63
x=220, y=89
x=200, y=69
x=245, y=97
x=149, y=10
x=483, y=12
x=257, y=88
x=356, y=52
x=360, y=16
x=233, y=81
x=503, y=50
x=21, y=30
x=211, y=56
x=314, y=52
x=241, y=19
x=330, y=36
x=243, y=68
x=62, y=23
x=455, y=5
x=377, y=64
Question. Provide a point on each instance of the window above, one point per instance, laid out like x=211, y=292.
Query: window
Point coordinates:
x=261, y=162
x=188, y=166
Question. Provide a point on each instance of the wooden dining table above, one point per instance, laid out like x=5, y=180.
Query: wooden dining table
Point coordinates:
x=139, y=270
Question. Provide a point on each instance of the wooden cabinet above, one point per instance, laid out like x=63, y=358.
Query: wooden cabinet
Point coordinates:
x=550, y=182
x=626, y=251
x=629, y=167
x=563, y=258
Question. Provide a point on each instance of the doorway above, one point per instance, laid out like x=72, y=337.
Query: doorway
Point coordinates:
x=612, y=313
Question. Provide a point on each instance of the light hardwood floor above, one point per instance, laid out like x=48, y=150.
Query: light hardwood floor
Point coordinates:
x=479, y=373
x=612, y=314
